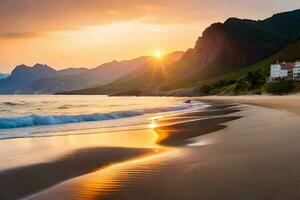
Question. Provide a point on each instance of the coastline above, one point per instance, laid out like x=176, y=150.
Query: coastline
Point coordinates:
x=231, y=150
x=30, y=165
x=252, y=157
x=48, y=161
x=289, y=103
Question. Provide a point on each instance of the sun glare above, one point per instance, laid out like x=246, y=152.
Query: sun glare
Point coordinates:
x=152, y=125
x=158, y=54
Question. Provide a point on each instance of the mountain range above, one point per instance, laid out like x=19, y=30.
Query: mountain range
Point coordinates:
x=224, y=50
x=40, y=79
x=136, y=82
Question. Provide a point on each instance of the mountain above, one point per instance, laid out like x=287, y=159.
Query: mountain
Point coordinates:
x=239, y=83
x=109, y=72
x=149, y=75
x=233, y=45
x=44, y=79
x=50, y=84
x=71, y=71
x=101, y=75
x=249, y=80
x=2, y=75
x=222, y=49
x=23, y=75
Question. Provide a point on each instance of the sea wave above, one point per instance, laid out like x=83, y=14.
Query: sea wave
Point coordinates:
x=43, y=120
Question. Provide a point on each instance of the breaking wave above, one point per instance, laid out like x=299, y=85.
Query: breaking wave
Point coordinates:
x=43, y=120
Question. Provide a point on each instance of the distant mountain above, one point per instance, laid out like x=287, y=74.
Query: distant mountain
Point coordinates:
x=23, y=75
x=147, y=76
x=72, y=71
x=110, y=72
x=53, y=83
x=44, y=79
x=101, y=75
x=2, y=75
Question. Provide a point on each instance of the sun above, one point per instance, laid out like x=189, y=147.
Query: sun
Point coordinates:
x=158, y=54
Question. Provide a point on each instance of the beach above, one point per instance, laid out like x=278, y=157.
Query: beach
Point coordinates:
x=237, y=148
x=149, y=100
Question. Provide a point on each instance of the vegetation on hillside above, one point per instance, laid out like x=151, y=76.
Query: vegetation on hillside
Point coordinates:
x=280, y=86
x=253, y=79
x=232, y=46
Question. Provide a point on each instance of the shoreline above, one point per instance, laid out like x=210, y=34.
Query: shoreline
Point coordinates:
x=253, y=157
x=97, y=151
x=289, y=103
x=197, y=120
x=231, y=150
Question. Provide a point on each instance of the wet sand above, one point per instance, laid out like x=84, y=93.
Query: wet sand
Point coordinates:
x=29, y=165
x=23, y=181
x=37, y=164
x=289, y=103
x=255, y=157
x=228, y=151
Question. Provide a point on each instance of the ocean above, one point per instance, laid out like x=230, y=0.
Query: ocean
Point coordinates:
x=52, y=115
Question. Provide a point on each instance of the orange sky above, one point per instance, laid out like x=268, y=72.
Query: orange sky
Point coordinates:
x=77, y=33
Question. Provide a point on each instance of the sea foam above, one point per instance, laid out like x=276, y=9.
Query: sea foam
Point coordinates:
x=43, y=120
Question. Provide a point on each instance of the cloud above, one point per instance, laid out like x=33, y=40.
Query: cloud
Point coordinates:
x=50, y=15
x=88, y=32
x=18, y=35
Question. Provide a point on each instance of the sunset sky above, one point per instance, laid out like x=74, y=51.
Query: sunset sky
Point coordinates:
x=78, y=33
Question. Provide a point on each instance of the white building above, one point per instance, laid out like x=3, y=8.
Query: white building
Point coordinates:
x=296, y=71
x=285, y=70
x=278, y=72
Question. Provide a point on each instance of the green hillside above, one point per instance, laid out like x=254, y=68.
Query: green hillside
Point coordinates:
x=233, y=45
x=237, y=82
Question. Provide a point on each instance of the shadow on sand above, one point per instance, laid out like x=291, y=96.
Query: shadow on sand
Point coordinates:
x=203, y=122
x=21, y=182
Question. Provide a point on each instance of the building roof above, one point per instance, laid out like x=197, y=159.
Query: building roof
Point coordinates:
x=287, y=66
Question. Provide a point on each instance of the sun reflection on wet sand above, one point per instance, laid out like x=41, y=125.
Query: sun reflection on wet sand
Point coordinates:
x=153, y=124
x=29, y=151
x=114, y=177
x=110, y=179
